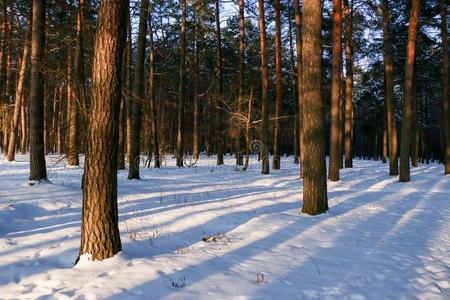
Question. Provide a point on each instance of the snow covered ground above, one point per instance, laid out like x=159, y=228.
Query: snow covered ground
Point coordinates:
x=380, y=240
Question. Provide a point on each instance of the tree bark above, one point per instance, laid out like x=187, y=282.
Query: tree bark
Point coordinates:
x=182, y=87
x=220, y=128
x=152, y=95
x=138, y=95
x=239, y=158
x=19, y=98
x=38, y=170
x=100, y=231
x=445, y=89
x=299, y=48
x=336, y=85
x=408, y=94
x=265, y=90
x=389, y=96
x=279, y=88
x=315, y=199
x=294, y=91
x=348, y=131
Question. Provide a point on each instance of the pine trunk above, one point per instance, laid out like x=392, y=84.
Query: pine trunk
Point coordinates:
x=182, y=87
x=348, y=131
x=408, y=94
x=279, y=88
x=299, y=48
x=315, y=199
x=100, y=231
x=445, y=81
x=38, y=170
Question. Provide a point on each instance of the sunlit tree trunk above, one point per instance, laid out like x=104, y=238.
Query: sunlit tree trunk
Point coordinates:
x=349, y=85
x=19, y=98
x=238, y=150
x=336, y=85
x=100, y=231
x=294, y=90
x=220, y=135
x=408, y=94
x=315, y=199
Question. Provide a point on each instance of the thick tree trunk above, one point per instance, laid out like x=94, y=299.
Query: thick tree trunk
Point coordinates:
x=389, y=96
x=315, y=199
x=151, y=90
x=38, y=170
x=265, y=90
x=19, y=99
x=139, y=91
x=336, y=85
x=445, y=81
x=299, y=48
x=182, y=87
x=348, y=131
x=279, y=88
x=408, y=94
x=100, y=231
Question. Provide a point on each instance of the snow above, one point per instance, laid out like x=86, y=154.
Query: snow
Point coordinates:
x=381, y=239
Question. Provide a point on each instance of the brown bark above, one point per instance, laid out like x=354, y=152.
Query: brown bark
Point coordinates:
x=315, y=199
x=23, y=126
x=408, y=93
x=220, y=128
x=100, y=231
x=196, y=133
x=239, y=158
x=19, y=98
x=182, y=87
x=265, y=90
x=294, y=91
x=279, y=88
x=299, y=48
x=38, y=170
x=138, y=95
x=389, y=97
x=445, y=89
x=152, y=96
x=348, y=131
x=336, y=85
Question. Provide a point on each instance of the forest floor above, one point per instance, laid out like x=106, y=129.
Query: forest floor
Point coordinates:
x=381, y=239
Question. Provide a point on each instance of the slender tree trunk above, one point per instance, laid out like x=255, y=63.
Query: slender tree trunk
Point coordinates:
x=38, y=170
x=336, y=85
x=248, y=130
x=182, y=87
x=385, y=142
x=349, y=85
x=126, y=87
x=139, y=91
x=152, y=95
x=407, y=101
x=265, y=90
x=279, y=88
x=294, y=90
x=19, y=98
x=239, y=159
x=23, y=126
x=389, y=97
x=196, y=131
x=220, y=128
x=445, y=81
x=414, y=124
x=100, y=231
x=315, y=199
x=299, y=48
